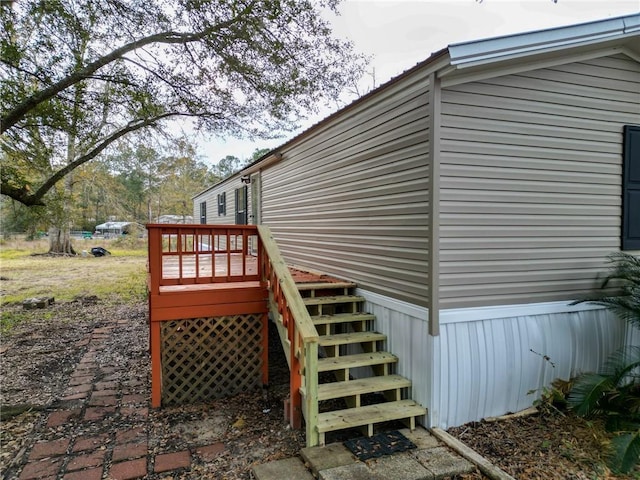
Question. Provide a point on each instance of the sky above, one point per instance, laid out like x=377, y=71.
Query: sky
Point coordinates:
x=400, y=33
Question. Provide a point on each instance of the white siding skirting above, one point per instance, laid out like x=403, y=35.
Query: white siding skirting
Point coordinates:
x=486, y=361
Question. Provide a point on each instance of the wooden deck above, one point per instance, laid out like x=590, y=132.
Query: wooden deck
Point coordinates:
x=211, y=289
x=210, y=271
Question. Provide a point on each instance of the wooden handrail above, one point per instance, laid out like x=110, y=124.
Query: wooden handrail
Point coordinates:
x=294, y=321
x=304, y=323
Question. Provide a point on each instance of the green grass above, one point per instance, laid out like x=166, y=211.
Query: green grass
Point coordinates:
x=10, y=319
x=119, y=277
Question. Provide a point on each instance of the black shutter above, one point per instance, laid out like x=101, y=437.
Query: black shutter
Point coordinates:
x=222, y=204
x=631, y=189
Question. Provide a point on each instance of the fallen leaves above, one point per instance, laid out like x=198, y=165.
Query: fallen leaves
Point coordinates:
x=543, y=446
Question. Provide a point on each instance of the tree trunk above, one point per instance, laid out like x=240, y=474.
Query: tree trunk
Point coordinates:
x=60, y=241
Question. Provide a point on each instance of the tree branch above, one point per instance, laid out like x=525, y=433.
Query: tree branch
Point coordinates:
x=14, y=115
x=24, y=195
x=21, y=194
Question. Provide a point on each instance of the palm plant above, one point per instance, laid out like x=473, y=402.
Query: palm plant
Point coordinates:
x=626, y=303
x=614, y=392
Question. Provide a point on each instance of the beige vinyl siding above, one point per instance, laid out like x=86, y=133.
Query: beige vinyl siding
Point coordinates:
x=211, y=197
x=352, y=199
x=531, y=181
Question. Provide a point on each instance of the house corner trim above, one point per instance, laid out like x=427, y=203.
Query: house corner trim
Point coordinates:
x=434, y=203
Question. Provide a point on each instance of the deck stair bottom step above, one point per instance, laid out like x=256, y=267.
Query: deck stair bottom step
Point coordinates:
x=368, y=416
x=361, y=386
x=329, y=364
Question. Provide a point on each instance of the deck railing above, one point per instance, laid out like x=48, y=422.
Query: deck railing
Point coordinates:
x=297, y=333
x=191, y=254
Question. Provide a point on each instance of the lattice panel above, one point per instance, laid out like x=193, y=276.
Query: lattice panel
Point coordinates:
x=206, y=358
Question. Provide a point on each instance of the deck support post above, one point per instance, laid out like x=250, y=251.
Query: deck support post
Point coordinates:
x=311, y=397
x=156, y=365
x=295, y=382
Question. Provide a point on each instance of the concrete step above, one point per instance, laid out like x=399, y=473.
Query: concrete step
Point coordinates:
x=430, y=460
x=282, y=469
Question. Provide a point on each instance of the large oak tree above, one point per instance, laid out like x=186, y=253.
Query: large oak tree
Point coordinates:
x=77, y=75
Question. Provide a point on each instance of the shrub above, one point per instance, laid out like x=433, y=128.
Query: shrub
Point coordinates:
x=614, y=392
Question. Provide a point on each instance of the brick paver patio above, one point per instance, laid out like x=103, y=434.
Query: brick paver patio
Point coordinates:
x=94, y=397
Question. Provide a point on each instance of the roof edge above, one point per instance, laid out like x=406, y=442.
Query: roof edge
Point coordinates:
x=275, y=155
x=478, y=52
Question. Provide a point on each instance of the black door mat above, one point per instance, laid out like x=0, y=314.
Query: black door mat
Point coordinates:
x=386, y=443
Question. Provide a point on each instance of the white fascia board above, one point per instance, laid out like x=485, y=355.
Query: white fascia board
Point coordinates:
x=410, y=309
x=475, y=314
x=469, y=54
x=274, y=157
x=631, y=23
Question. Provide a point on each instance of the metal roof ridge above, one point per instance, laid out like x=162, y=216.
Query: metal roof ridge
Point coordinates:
x=488, y=50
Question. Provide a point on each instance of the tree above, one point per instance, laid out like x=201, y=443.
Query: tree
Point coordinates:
x=156, y=181
x=78, y=76
x=99, y=196
x=138, y=167
x=227, y=166
x=183, y=175
x=259, y=153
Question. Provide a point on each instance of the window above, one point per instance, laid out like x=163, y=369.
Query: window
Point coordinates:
x=222, y=204
x=631, y=188
x=203, y=212
x=241, y=205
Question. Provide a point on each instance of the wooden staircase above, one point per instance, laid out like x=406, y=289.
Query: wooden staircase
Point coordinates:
x=347, y=342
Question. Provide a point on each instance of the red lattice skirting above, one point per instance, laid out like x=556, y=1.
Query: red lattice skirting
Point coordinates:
x=208, y=358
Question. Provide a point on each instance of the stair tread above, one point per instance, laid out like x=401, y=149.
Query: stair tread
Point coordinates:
x=342, y=318
x=351, y=337
x=358, y=360
x=327, y=391
x=324, y=285
x=327, y=300
x=369, y=414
